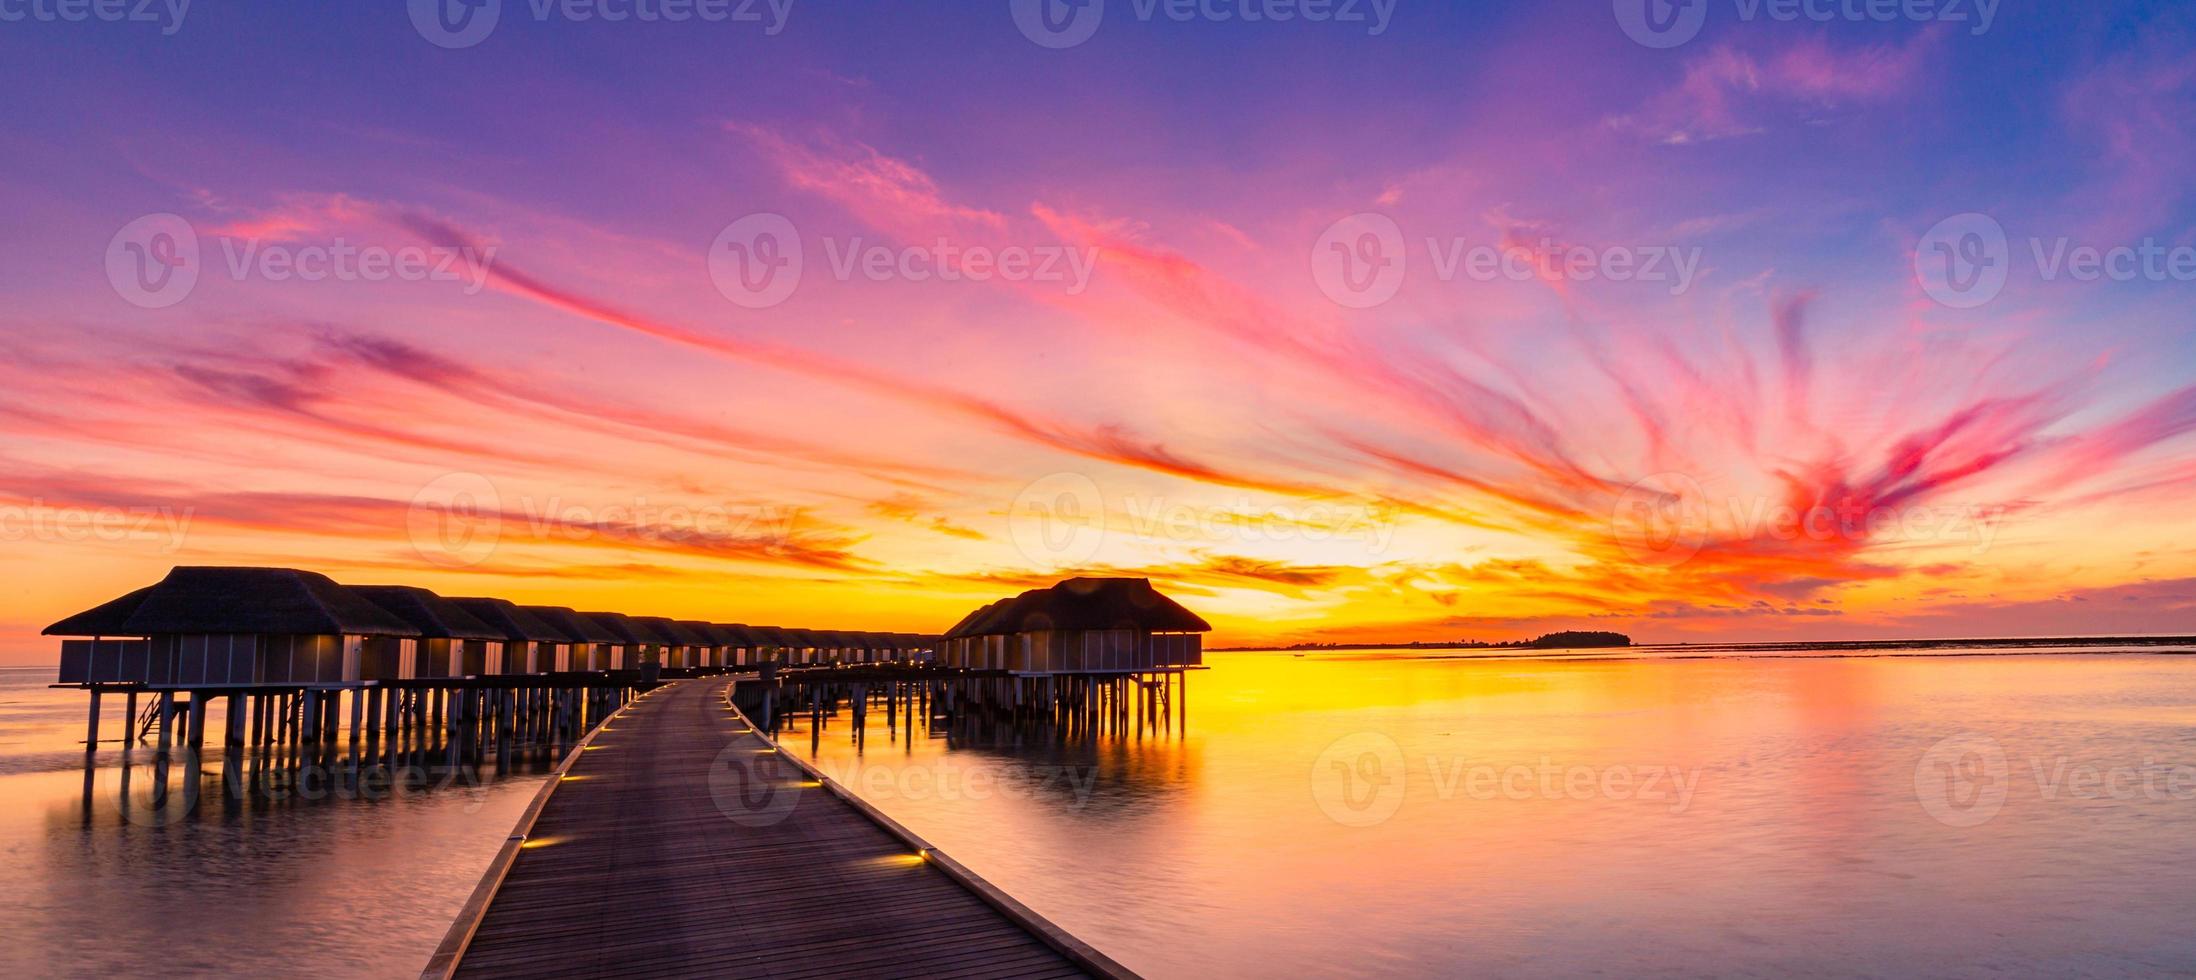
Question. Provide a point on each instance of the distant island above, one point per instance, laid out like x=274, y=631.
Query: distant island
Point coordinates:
x=1565, y=640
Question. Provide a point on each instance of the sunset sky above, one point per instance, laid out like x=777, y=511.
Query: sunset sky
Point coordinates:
x=583, y=397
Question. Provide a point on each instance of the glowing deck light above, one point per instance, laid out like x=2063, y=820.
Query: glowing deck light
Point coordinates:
x=900, y=860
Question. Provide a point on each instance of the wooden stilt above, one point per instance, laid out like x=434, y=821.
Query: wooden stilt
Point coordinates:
x=91, y=726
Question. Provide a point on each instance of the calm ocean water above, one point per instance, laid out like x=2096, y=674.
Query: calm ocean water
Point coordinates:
x=294, y=880
x=1326, y=815
x=1354, y=814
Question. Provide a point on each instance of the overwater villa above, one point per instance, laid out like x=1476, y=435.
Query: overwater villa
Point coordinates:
x=452, y=643
x=1079, y=626
x=218, y=626
x=591, y=645
x=530, y=646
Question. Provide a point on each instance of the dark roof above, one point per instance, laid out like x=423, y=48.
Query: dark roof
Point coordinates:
x=1086, y=604
x=770, y=635
x=718, y=635
x=434, y=616
x=621, y=626
x=961, y=628
x=575, y=627
x=746, y=636
x=105, y=619
x=515, y=623
x=217, y=599
x=995, y=619
x=671, y=632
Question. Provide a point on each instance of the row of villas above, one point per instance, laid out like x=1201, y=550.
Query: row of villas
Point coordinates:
x=1079, y=626
x=213, y=626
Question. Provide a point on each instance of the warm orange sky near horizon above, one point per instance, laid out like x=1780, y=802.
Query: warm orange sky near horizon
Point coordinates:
x=1132, y=320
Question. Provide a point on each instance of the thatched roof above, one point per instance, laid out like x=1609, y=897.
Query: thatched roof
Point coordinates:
x=435, y=617
x=1084, y=604
x=575, y=627
x=105, y=619
x=770, y=636
x=218, y=599
x=621, y=626
x=515, y=624
x=719, y=636
x=746, y=636
x=969, y=621
x=670, y=632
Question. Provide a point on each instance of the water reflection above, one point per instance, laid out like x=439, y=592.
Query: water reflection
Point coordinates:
x=289, y=861
x=1343, y=815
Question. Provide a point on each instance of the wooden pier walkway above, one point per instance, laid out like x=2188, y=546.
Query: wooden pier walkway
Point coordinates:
x=679, y=842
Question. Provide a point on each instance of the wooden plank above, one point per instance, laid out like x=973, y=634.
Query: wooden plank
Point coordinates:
x=631, y=866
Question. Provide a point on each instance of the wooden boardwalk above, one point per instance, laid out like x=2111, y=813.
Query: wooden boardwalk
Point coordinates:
x=680, y=843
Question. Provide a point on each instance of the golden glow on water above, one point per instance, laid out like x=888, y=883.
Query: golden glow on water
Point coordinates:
x=1330, y=815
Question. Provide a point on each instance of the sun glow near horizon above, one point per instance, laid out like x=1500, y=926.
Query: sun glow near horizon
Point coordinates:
x=1389, y=368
